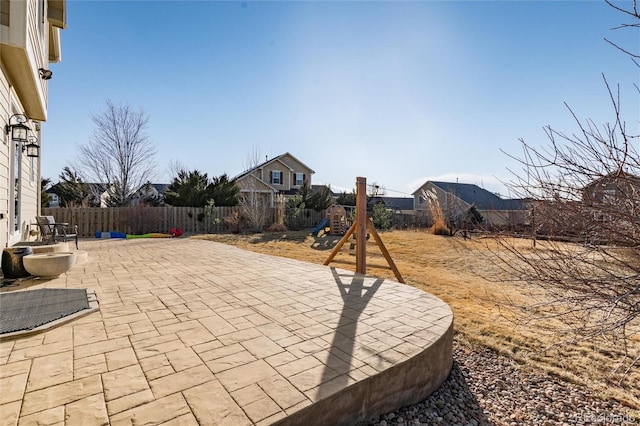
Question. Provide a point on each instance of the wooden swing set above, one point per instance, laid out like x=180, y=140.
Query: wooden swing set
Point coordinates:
x=360, y=225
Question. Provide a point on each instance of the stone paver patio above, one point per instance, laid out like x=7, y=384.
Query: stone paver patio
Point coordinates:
x=196, y=332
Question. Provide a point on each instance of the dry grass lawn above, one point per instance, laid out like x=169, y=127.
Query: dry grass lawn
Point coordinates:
x=462, y=274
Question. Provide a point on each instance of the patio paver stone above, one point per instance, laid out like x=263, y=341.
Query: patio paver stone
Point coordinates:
x=195, y=332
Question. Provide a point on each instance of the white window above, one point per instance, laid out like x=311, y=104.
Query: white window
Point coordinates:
x=276, y=178
x=299, y=179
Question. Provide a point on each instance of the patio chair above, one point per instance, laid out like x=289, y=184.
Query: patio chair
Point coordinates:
x=52, y=231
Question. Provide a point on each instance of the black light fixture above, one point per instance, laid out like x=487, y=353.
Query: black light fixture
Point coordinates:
x=19, y=131
x=20, y=135
x=45, y=74
x=32, y=148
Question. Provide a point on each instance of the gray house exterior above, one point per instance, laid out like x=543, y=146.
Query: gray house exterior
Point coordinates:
x=455, y=200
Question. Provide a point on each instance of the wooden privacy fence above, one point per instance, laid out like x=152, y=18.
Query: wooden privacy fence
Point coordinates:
x=142, y=220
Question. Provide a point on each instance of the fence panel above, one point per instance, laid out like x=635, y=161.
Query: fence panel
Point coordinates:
x=140, y=220
x=303, y=219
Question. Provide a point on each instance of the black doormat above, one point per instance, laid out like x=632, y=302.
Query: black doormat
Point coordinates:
x=26, y=310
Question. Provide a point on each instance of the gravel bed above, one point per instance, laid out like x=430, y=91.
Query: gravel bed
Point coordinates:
x=485, y=388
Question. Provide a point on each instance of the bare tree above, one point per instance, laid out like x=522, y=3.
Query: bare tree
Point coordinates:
x=633, y=13
x=583, y=188
x=119, y=156
x=254, y=200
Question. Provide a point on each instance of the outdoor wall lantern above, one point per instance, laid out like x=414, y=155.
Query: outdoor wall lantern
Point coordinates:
x=32, y=148
x=19, y=131
x=20, y=135
x=45, y=74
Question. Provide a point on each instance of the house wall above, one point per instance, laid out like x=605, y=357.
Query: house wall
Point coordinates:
x=419, y=203
x=30, y=201
x=277, y=166
x=248, y=183
x=613, y=190
x=4, y=159
x=24, y=48
x=29, y=174
x=288, y=166
x=449, y=203
x=297, y=168
x=504, y=217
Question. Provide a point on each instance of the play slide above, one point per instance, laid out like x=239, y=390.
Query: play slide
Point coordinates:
x=110, y=234
x=175, y=232
x=323, y=224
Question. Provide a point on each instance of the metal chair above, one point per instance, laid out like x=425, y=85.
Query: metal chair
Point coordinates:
x=52, y=231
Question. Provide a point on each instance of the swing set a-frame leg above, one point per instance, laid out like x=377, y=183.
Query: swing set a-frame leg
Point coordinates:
x=338, y=246
x=383, y=249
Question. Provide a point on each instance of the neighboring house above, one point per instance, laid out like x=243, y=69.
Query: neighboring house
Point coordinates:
x=455, y=200
x=150, y=191
x=396, y=204
x=101, y=197
x=54, y=200
x=29, y=41
x=144, y=192
x=614, y=202
x=621, y=189
x=284, y=174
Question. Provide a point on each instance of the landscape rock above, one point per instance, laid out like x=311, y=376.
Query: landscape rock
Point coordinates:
x=486, y=388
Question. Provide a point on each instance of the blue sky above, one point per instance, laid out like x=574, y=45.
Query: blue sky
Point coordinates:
x=397, y=92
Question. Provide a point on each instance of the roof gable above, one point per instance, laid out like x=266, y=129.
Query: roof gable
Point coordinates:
x=474, y=195
x=254, y=183
x=282, y=158
x=620, y=176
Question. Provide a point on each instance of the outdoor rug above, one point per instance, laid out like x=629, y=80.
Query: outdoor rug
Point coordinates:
x=26, y=310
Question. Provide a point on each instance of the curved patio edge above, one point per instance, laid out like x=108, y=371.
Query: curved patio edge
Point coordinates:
x=406, y=383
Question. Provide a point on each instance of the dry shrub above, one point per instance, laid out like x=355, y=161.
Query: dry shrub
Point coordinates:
x=276, y=227
x=439, y=226
x=234, y=222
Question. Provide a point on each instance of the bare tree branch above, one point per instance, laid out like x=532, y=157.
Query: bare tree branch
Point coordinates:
x=635, y=14
x=583, y=282
x=119, y=155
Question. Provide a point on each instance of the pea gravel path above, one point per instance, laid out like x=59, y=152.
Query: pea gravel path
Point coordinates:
x=485, y=388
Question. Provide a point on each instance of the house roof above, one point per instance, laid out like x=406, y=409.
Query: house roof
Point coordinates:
x=395, y=203
x=314, y=189
x=160, y=187
x=274, y=159
x=615, y=176
x=481, y=198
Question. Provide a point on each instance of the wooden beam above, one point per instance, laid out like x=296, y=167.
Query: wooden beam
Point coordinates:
x=385, y=252
x=338, y=246
x=361, y=225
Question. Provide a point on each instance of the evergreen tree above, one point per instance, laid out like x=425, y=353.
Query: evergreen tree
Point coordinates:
x=225, y=192
x=320, y=200
x=347, y=198
x=189, y=189
x=72, y=191
x=45, y=198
